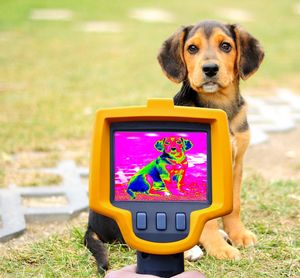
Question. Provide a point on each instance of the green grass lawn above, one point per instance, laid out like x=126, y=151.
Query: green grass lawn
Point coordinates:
x=269, y=210
x=51, y=72
x=53, y=76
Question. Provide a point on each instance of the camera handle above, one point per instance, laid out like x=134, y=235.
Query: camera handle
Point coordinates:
x=160, y=265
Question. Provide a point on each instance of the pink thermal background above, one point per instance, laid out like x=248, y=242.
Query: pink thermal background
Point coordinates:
x=135, y=149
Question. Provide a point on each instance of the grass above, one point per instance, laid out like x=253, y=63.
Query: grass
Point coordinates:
x=268, y=211
x=59, y=256
x=53, y=76
x=52, y=72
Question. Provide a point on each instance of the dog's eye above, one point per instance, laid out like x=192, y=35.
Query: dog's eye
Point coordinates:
x=193, y=49
x=225, y=46
x=167, y=143
x=179, y=142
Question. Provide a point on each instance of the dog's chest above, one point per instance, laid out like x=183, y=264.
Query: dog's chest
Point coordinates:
x=176, y=168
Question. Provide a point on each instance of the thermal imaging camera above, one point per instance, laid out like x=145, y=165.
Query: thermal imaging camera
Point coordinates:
x=161, y=171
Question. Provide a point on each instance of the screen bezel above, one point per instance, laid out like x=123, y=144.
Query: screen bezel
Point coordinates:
x=162, y=110
x=157, y=126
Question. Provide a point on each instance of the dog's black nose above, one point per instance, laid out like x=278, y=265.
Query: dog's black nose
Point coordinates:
x=173, y=149
x=210, y=70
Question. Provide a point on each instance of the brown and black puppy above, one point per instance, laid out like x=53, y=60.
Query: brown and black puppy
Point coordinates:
x=209, y=59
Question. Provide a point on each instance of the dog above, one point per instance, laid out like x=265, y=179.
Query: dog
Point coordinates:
x=164, y=174
x=209, y=59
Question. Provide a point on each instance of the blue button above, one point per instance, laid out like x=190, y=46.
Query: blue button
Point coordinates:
x=180, y=222
x=141, y=220
x=161, y=221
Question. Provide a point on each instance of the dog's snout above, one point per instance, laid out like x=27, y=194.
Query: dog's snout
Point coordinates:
x=210, y=69
x=173, y=149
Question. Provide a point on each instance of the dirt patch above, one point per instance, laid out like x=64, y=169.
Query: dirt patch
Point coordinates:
x=279, y=158
x=25, y=168
x=32, y=178
x=75, y=149
x=52, y=201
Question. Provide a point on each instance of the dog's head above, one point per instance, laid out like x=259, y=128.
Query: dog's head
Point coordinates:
x=173, y=146
x=210, y=55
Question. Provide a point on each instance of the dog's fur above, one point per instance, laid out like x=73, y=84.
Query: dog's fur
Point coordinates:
x=209, y=59
x=163, y=175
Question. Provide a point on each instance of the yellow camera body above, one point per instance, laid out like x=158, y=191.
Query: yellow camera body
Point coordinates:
x=160, y=206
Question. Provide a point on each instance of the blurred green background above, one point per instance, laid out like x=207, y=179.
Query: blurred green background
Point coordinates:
x=53, y=75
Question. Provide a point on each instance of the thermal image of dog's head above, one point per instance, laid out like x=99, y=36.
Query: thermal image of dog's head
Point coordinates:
x=174, y=147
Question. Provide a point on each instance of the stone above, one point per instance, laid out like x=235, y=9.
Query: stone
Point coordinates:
x=152, y=15
x=101, y=27
x=13, y=213
x=12, y=217
x=51, y=14
x=236, y=15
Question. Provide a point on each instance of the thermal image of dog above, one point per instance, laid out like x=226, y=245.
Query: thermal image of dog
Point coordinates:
x=165, y=174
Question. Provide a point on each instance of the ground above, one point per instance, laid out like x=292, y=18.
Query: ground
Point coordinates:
x=259, y=162
x=276, y=159
x=277, y=230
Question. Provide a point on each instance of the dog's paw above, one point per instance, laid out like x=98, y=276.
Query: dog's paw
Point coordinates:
x=193, y=254
x=224, y=251
x=243, y=238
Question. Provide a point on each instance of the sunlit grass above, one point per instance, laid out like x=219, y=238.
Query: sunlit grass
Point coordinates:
x=53, y=72
x=269, y=211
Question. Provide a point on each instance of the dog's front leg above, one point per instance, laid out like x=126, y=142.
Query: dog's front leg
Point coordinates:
x=165, y=177
x=233, y=225
x=214, y=243
x=180, y=179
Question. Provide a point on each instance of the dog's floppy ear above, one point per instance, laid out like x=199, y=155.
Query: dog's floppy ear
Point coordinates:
x=249, y=51
x=187, y=144
x=170, y=56
x=159, y=145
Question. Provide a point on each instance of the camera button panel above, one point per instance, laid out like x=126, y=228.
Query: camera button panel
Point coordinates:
x=161, y=221
x=180, y=221
x=167, y=223
x=141, y=220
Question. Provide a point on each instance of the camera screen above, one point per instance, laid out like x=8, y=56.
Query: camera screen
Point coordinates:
x=160, y=166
